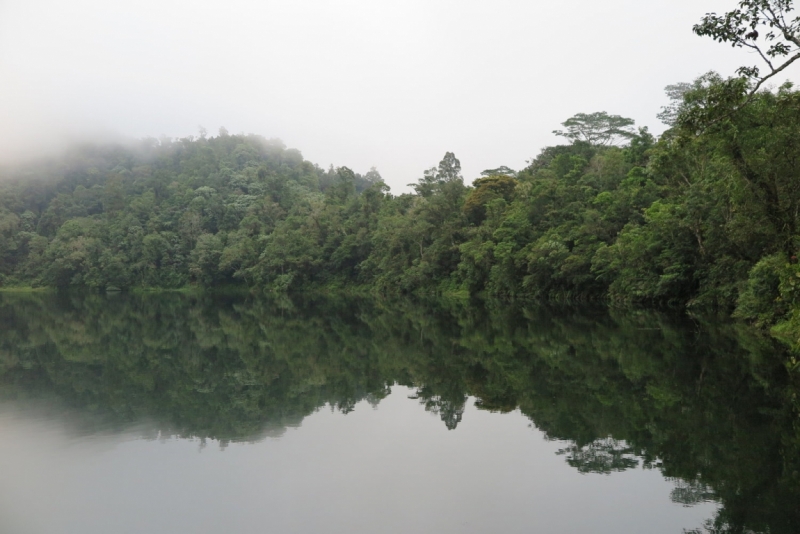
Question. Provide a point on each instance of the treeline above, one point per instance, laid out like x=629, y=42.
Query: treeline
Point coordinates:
x=706, y=215
x=710, y=405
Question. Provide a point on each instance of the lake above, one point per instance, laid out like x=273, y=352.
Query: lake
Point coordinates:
x=176, y=413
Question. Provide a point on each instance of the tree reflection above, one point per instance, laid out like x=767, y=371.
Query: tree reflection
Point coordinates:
x=601, y=456
x=691, y=492
x=710, y=404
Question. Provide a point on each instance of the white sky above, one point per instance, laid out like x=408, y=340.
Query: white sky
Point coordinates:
x=388, y=83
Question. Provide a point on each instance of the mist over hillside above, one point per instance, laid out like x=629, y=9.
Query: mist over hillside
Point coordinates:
x=703, y=220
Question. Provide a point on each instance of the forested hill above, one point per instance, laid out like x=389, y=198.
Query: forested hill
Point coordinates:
x=707, y=215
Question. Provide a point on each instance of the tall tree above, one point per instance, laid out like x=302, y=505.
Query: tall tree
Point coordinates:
x=597, y=128
x=449, y=170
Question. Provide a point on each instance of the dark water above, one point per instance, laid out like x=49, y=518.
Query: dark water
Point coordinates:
x=173, y=414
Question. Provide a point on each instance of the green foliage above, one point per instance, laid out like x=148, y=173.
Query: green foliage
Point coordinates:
x=683, y=219
x=207, y=211
x=485, y=190
x=777, y=40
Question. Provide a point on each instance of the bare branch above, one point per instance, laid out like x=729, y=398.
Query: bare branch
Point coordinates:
x=774, y=72
x=760, y=53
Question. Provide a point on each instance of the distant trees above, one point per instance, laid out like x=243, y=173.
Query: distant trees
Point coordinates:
x=597, y=128
x=449, y=170
x=708, y=215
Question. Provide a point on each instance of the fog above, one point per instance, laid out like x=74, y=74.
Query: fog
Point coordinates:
x=392, y=84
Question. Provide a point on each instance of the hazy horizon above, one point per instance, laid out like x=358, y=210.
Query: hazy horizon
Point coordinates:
x=392, y=85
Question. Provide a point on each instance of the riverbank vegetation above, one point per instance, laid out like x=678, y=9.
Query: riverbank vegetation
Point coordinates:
x=706, y=215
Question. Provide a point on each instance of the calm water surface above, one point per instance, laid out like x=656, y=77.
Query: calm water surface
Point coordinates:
x=172, y=414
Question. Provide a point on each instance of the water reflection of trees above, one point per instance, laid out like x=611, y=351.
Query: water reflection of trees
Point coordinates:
x=710, y=404
x=601, y=456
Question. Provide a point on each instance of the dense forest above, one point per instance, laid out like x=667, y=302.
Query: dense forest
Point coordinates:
x=705, y=215
x=709, y=404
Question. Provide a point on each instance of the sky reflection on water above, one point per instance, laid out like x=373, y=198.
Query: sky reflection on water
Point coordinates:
x=173, y=413
x=394, y=468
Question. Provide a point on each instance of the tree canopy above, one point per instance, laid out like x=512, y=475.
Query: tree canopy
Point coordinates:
x=706, y=219
x=705, y=216
x=597, y=128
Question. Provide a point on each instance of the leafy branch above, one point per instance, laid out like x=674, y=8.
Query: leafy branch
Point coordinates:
x=768, y=27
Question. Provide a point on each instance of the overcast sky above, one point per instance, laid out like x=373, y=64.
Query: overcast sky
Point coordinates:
x=388, y=83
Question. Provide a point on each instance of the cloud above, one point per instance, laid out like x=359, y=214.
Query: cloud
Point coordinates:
x=355, y=82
